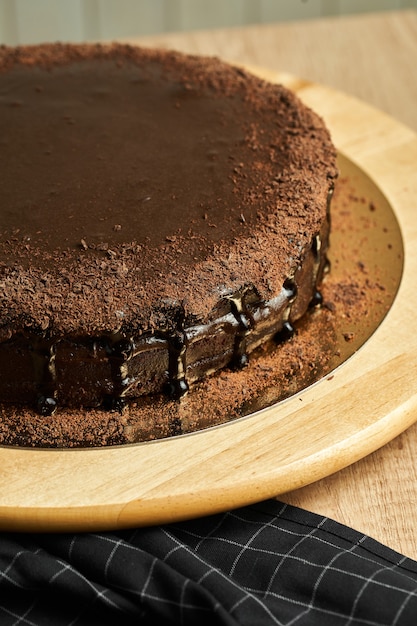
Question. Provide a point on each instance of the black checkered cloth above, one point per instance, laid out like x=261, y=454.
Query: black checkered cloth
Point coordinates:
x=265, y=564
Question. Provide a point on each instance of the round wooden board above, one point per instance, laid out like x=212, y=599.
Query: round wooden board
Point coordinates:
x=363, y=405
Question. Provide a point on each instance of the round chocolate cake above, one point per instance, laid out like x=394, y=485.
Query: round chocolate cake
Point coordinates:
x=161, y=216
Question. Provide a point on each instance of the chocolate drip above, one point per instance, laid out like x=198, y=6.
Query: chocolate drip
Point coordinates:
x=290, y=289
x=325, y=260
x=316, y=247
x=245, y=324
x=43, y=363
x=321, y=260
x=177, y=385
x=317, y=298
x=329, y=199
x=287, y=330
x=119, y=350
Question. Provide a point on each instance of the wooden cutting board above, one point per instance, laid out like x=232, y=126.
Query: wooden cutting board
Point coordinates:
x=365, y=403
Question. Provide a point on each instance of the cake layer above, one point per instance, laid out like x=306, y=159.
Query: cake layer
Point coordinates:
x=160, y=216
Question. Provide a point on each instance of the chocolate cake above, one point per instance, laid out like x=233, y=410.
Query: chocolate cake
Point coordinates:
x=161, y=216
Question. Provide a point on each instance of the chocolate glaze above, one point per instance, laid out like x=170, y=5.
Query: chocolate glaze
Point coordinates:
x=160, y=216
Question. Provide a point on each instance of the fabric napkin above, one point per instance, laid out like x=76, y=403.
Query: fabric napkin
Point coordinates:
x=265, y=564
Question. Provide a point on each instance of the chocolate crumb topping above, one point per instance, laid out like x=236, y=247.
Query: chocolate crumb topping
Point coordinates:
x=153, y=208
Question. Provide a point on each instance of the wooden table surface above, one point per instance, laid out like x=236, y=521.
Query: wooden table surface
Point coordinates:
x=372, y=57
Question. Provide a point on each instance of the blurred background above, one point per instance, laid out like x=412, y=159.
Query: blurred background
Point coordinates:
x=34, y=21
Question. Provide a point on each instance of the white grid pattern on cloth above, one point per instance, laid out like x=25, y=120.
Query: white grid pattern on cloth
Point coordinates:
x=21, y=619
x=9, y=568
x=142, y=591
x=396, y=621
x=309, y=606
x=217, y=572
x=362, y=591
x=321, y=575
x=266, y=564
x=303, y=537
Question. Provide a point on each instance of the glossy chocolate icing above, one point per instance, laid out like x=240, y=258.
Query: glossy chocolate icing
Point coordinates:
x=160, y=216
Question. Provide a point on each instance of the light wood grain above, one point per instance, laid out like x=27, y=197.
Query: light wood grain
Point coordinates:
x=367, y=402
x=371, y=57
x=25, y=21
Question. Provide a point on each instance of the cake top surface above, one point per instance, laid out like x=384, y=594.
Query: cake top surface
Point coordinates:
x=136, y=181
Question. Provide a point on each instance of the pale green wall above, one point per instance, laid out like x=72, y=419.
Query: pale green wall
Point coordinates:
x=33, y=21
